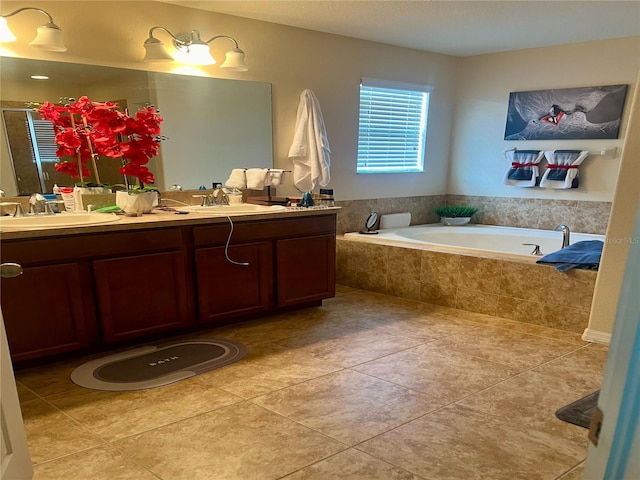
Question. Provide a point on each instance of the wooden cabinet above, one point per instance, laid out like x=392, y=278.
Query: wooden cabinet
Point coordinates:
x=87, y=291
x=228, y=290
x=142, y=294
x=48, y=310
x=306, y=269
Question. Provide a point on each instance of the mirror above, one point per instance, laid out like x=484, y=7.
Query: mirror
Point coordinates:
x=210, y=125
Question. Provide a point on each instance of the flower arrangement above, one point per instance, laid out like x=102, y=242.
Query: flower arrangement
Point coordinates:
x=85, y=130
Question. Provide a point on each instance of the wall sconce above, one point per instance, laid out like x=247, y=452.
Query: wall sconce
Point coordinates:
x=49, y=36
x=193, y=50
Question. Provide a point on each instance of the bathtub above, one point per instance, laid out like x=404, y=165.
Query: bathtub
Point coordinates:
x=486, y=240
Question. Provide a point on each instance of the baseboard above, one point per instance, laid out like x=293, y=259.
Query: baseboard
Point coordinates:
x=596, y=336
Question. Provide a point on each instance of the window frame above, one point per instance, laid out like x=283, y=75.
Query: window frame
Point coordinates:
x=419, y=140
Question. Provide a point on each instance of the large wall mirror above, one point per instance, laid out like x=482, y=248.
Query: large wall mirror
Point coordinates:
x=211, y=125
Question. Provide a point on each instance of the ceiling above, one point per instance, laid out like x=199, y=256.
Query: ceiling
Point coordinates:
x=452, y=27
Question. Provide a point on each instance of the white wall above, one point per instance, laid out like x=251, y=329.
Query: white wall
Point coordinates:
x=482, y=94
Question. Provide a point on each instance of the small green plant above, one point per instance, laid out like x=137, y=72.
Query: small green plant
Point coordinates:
x=453, y=211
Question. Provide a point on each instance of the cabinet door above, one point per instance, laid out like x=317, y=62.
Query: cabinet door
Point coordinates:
x=306, y=269
x=47, y=310
x=142, y=294
x=227, y=290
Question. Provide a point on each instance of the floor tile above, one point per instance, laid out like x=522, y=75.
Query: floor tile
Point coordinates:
x=459, y=443
x=114, y=415
x=367, y=406
x=531, y=400
x=242, y=441
x=576, y=473
x=585, y=365
x=348, y=346
x=352, y=465
x=269, y=367
x=24, y=394
x=507, y=347
x=102, y=463
x=52, y=434
x=441, y=375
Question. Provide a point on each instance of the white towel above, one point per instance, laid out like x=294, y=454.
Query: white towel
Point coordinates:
x=562, y=168
x=523, y=171
x=274, y=177
x=256, y=178
x=237, y=179
x=310, y=150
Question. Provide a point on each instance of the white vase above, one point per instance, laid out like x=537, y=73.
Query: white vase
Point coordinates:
x=452, y=221
x=136, y=203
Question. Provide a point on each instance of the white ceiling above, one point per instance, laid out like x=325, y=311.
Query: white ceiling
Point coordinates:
x=452, y=27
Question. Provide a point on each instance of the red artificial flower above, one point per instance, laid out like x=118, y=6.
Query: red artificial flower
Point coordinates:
x=85, y=127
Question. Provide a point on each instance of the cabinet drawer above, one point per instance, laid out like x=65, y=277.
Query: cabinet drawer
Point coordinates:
x=60, y=249
x=262, y=230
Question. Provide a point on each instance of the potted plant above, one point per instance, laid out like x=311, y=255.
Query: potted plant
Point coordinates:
x=455, y=214
x=86, y=130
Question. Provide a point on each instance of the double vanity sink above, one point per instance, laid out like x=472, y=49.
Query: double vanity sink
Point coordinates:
x=32, y=222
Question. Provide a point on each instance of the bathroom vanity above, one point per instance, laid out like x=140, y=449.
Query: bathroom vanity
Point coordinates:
x=95, y=287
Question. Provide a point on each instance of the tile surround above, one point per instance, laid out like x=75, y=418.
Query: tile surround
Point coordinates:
x=531, y=293
x=542, y=213
x=366, y=386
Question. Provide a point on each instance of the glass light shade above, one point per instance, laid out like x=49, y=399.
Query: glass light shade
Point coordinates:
x=155, y=51
x=49, y=37
x=5, y=32
x=234, y=61
x=198, y=54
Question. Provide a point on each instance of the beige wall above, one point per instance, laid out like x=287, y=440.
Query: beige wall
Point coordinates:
x=482, y=94
x=626, y=204
x=290, y=59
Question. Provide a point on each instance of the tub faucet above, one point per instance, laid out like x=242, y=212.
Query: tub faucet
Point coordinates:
x=565, y=234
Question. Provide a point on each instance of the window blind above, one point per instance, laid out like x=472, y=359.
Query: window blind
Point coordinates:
x=392, y=126
x=45, y=140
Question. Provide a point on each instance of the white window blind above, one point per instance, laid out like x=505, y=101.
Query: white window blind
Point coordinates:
x=392, y=126
x=45, y=140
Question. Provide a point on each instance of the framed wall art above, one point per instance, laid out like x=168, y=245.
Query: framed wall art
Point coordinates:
x=565, y=113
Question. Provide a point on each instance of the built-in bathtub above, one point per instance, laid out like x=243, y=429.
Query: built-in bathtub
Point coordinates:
x=512, y=242
x=478, y=268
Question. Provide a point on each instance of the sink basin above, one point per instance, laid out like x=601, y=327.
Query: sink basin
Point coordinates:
x=235, y=209
x=58, y=220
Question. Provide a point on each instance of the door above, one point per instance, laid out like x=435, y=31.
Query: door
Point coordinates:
x=15, y=463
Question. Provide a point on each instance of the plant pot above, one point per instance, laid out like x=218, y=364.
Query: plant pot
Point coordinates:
x=136, y=203
x=453, y=221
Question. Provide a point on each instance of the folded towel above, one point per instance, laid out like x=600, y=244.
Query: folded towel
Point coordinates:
x=562, y=168
x=524, y=168
x=585, y=255
x=274, y=177
x=256, y=178
x=237, y=179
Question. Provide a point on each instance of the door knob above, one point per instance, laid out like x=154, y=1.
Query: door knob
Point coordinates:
x=10, y=270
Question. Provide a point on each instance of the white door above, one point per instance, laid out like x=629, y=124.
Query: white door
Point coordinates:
x=15, y=460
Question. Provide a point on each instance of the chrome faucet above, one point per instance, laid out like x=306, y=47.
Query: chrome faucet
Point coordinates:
x=220, y=196
x=37, y=204
x=18, y=211
x=565, y=234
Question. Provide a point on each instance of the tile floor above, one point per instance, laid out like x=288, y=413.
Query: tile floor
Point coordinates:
x=365, y=387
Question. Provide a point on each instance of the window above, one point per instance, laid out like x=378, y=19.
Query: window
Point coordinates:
x=392, y=126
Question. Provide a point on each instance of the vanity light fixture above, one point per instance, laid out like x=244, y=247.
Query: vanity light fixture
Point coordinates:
x=192, y=49
x=49, y=36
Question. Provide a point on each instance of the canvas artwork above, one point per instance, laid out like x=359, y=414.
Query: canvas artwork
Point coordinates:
x=566, y=113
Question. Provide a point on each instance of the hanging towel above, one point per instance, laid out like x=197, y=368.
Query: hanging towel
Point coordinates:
x=524, y=168
x=562, y=168
x=237, y=179
x=585, y=255
x=274, y=177
x=310, y=150
x=256, y=178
